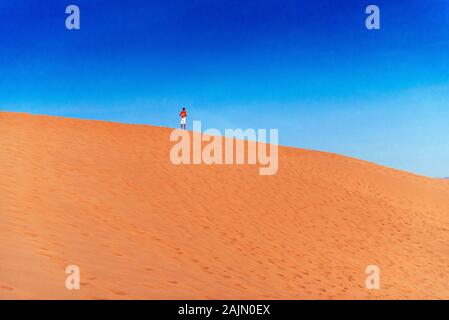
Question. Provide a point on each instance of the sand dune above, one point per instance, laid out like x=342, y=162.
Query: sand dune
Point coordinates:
x=104, y=196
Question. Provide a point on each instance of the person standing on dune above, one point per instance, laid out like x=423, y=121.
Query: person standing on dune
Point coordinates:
x=183, y=115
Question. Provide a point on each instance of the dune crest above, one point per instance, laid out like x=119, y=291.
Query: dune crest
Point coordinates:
x=105, y=197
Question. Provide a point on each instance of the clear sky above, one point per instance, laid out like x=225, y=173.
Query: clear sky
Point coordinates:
x=308, y=68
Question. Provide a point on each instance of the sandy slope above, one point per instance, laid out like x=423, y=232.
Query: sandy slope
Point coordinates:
x=105, y=197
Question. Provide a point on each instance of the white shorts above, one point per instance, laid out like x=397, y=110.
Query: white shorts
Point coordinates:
x=183, y=120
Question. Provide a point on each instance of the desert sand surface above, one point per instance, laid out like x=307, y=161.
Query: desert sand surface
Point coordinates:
x=105, y=197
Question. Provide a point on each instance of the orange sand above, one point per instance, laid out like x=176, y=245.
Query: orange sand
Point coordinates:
x=104, y=196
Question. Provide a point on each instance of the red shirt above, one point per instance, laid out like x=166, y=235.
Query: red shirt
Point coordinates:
x=183, y=114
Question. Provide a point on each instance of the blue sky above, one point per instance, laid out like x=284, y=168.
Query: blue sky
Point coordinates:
x=308, y=68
